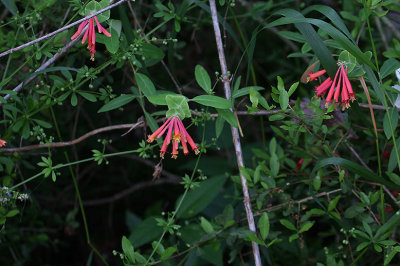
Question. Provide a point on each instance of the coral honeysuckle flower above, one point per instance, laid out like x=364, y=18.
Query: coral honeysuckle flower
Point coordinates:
x=2, y=143
x=178, y=133
x=90, y=34
x=339, y=87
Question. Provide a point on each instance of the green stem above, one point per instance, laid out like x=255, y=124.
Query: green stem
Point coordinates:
x=179, y=204
x=78, y=194
x=252, y=71
x=370, y=35
x=359, y=256
x=59, y=166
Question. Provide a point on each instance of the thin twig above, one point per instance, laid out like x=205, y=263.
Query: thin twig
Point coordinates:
x=147, y=40
x=130, y=190
x=390, y=25
x=382, y=33
x=359, y=33
x=369, y=169
x=280, y=206
x=235, y=132
x=74, y=141
x=371, y=109
x=12, y=50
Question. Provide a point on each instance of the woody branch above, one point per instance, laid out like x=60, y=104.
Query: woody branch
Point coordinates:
x=235, y=131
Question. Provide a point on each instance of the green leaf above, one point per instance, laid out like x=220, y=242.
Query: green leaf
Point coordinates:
x=292, y=16
x=352, y=167
x=145, y=232
x=213, y=101
x=168, y=253
x=362, y=246
x=10, y=6
x=394, y=117
x=150, y=51
x=206, y=225
x=283, y=99
x=12, y=213
x=375, y=84
x=199, y=198
x=228, y=116
x=332, y=15
x=151, y=121
x=74, y=99
x=287, y=224
x=315, y=211
x=293, y=88
x=389, y=67
x=159, y=99
x=50, y=69
x=253, y=238
x=219, y=126
x=274, y=165
x=256, y=98
x=391, y=255
x=94, y=6
x=88, y=96
x=305, y=227
x=394, y=177
x=42, y=123
x=293, y=237
x=276, y=117
x=272, y=146
x=367, y=228
x=177, y=105
x=245, y=91
x=263, y=224
x=348, y=60
x=203, y=79
x=112, y=43
x=145, y=84
x=122, y=100
x=257, y=174
x=128, y=249
x=311, y=36
x=333, y=203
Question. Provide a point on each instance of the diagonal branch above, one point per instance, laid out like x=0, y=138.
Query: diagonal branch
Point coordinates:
x=74, y=141
x=12, y=50
x=235, y=132
x=42, y=67
x=57, y=55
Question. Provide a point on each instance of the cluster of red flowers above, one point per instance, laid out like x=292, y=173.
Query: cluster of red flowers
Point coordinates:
x=179, y=135
x=90, y=34
x=2, y=143
x=339, y=87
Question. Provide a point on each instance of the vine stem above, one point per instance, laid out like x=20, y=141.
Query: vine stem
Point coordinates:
x=172, y=219
x=78, y=194
x=12, y=50
x=235, y=132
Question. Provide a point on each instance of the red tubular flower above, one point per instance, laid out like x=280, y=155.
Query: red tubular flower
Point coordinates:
x=331, y=90
x=321, y=89
x=101, y=29
x=314, y=76
x=299, y=164
x=167, y=139
x=152, y=137
x=340, y=87
x=189, y=139
x=2, y=143
x=178, y=133
x=90, y=34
